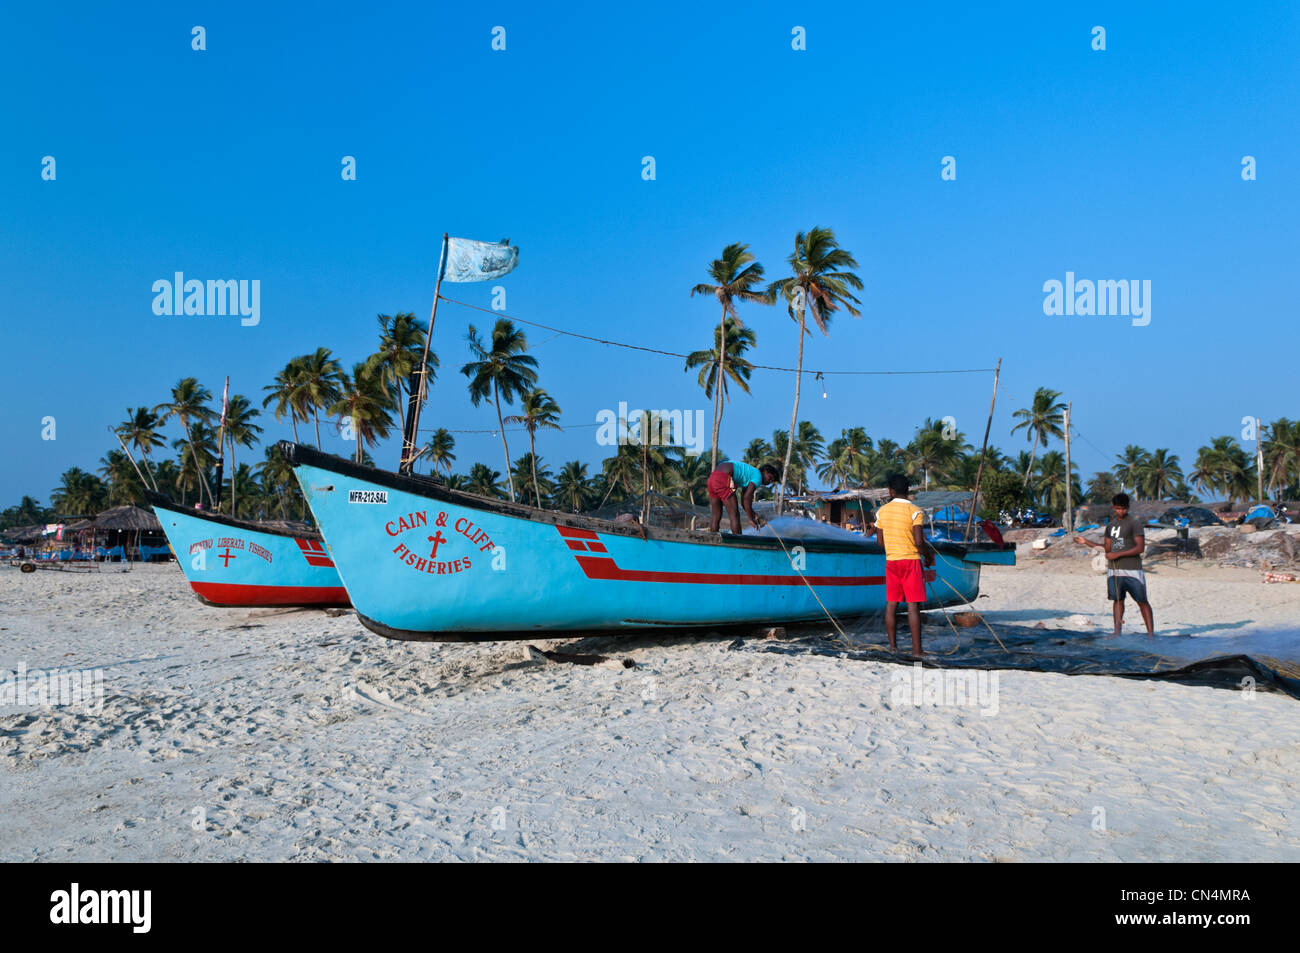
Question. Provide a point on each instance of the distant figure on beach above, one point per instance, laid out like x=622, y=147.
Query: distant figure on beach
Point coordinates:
x=900, y=527
x=1124, y=542
x=732, y=479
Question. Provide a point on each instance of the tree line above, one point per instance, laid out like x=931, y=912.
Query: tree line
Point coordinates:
x=364, y=404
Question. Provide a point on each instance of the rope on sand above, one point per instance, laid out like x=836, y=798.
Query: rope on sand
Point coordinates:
x=843, y=639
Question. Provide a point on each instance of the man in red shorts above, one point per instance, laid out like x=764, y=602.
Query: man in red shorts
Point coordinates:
x=733, y=479
x=900, y=528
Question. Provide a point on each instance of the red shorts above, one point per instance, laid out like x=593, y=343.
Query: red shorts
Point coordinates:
x=904, y=581
x=720, y=487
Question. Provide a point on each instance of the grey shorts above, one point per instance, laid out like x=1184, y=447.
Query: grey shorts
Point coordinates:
x=1135, y=585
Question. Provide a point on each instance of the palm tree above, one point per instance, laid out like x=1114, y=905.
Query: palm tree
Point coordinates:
x=196, y=467
x=758, y=452
x=401, y=346
x=120, y=478
x=28, y=512
x=530, y=468
x=78, y=494
x=930, y=451
x=483, y=480
x=140, y=429
x=737, y=276
x=320, y=384
x=275, y=473
x=1159, y=473
x=1128, y=466
x=1102, y=487
x=365, y=401
x=1042, y=419
x=623, y=470
x=539, y=412
x=691, y=475
x=730, y=366
x=166, y=475
x=242, y=432
x=1213, y=470
x=848, y=458
x=286, y=393
x=572, y=486
x=501, y=370
x=1282, y=453
x=819, y=286
x=243, y=486
x=439, y=450
x=1051, y=483
x=807, y=450
x=189, y=405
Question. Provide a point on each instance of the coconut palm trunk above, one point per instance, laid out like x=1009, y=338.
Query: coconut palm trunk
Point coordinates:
x=316, y=415
x=145, y=455
x=496, y=397
x=794, y=416
x=198, y=471
x=532, y=459
x=717, y=384
x=1032, y=454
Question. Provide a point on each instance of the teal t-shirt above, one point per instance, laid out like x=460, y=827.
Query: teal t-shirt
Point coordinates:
x=744, y=475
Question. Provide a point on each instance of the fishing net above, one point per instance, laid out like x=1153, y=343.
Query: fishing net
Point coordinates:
x=1261, y=660
x=666, y=512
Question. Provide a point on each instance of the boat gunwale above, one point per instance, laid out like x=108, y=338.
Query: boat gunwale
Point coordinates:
x=167, y=503
x=419, y=485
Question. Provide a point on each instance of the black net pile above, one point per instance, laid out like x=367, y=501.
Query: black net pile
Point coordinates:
x=1241, y=663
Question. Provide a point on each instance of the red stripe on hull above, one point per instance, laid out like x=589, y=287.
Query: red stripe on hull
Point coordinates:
x=606, y=569
x=230, y=594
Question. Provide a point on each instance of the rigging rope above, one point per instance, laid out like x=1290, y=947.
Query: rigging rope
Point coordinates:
x=655, y=350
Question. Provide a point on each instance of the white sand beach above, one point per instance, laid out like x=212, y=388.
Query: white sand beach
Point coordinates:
x=293, y=735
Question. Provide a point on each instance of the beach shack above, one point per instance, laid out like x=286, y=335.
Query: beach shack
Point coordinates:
x=129, y=533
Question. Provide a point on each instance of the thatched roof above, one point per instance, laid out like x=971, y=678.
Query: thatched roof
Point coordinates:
x=23, y=534
x=78, y=526
x=128, y=518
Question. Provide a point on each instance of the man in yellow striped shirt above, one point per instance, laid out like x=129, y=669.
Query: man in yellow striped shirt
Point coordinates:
x=900, y=526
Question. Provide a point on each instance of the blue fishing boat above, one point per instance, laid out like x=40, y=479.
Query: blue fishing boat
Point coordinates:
x=234, y=562
x=421, y=561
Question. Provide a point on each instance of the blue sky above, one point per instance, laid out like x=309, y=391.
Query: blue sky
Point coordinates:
x=225, y=163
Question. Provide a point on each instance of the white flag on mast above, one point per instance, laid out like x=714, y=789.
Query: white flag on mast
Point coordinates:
x=464, y=259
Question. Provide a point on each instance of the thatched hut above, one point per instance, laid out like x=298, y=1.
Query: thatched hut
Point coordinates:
x=136, y=530
x=23, y=535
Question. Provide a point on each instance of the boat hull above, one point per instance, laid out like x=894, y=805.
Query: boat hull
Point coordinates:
x=230, y=562
x=420, y=561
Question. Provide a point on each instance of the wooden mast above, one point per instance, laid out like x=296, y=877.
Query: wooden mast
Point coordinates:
x=419, y=389
x=979, y=474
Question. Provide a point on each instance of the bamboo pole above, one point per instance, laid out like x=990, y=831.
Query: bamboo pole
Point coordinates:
x=979, y=474
x=1069, y=483
x=418, y=396
x=1259, y=456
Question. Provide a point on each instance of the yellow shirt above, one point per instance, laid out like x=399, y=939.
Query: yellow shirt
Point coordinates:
x=896, y=519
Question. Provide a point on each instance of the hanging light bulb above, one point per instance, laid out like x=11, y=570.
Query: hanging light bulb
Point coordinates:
x=823, y=380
